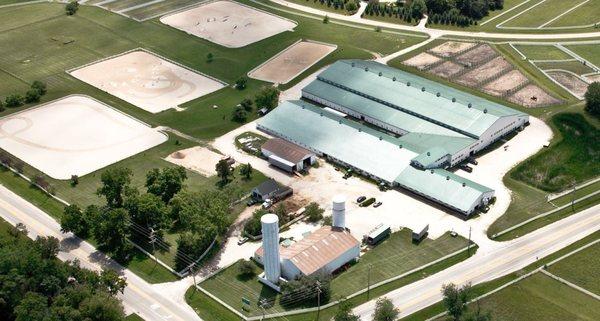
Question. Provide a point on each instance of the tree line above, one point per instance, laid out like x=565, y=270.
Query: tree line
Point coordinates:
x=36, y=286
x=33, y=95
x=165, y=205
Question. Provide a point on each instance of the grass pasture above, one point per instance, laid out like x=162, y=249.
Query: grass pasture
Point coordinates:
x=590, y=53
x=393, y=257
x=542, y=52
x=540, y=13
x=539, y=297
x=586, y=14
x=581, y=268
x=575, y=67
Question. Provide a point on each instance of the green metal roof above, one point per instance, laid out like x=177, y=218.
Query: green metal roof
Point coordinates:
x=467, y=114
x=371, y=151
x=430, y=156
x=375, y=110
x=443, y=186
x=362, y=147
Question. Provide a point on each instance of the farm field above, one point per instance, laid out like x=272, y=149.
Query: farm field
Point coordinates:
x=581, y=268
x=539, y=297
x=390, y=258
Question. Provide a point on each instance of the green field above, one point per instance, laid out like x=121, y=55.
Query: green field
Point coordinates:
x=584, y=15
x=540, y=297
x=581, y=268
x=575, y=67
x=393, y=257
x=542, y=52
x=134, y=317
x=588, y=52
x=540, y=14
x=160, y=8
x=573, y=160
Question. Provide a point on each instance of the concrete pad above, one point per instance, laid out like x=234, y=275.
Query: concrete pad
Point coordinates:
x=147, y=81
x=229, y=24
x=75, y=135
x=292, y=61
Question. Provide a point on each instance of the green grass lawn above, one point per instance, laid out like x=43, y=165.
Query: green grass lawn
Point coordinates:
x=540, y=297
x=542, y=52
x=540, y=14
x=574, y=159
x=393, y=257
x=575, y=67
x=588, y=52
x=583, y=15
x=581, y=268
x=317, y=4
x=133, y=317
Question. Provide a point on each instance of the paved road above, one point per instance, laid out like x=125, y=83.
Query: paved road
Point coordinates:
x=139, y=296
x=501, y=261
x=437, y=32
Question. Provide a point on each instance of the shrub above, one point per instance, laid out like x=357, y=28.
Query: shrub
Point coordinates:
x=241, y=83
x=71, y=8
x=32, y=96
x=14, y=100
x=592, y=99
x=313, y=212
x=40, y=87
x=246, y=269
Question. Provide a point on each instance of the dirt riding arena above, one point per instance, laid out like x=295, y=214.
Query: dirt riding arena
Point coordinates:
x=479, y=66
x=451, y=48
x=75, y=135
x=228, y=23
x=147, y=81
x=447, y=69
x=422, y=61
x=479, y=75
x=532, y=96
x=291, y=62
x=570, y=81
x=198, y=159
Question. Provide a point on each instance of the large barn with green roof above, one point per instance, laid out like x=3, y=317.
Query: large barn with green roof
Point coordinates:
x=422, y=128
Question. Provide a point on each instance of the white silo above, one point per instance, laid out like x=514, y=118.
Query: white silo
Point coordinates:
x=339, y=211
x=270, y=243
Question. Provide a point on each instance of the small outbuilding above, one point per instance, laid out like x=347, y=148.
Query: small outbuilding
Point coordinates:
x=378, y=234
x=270, y=189
x=287, y=156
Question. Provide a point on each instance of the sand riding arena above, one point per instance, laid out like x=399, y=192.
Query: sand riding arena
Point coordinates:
x=74, y=135
x=229, y=24
x=147, y=81
x=292, y=61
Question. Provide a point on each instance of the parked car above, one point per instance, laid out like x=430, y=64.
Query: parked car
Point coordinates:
x=268, y=203
x=361, y=199
x=377, y=204
x=251, y=202
x=242, y=240
x=453, y=234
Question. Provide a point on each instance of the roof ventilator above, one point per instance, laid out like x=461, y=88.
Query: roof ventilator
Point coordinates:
x=438, y=94
x=423, y=89
x=453, y=100
x=485, y=111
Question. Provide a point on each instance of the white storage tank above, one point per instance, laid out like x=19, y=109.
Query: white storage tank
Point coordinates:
x=339, y=211
x=270, y=243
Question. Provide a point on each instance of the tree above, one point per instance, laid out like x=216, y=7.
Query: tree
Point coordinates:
x=74, y=180
x=191, y=245
x=209, y=57
x=326, y=19
x=190, y=210
x=102, y=307
x=14, y=100
x=112, y=231
x=247, y=104
x=33, y=306
x=239, y=114
x=246, y=269
x=456, y=299
x=240, y=84
x=344, y=312
x=2, y=106
x=268, y=98
x=147, y=210
x=71, y=8
x=385, y=310
x=313, y=212
x=246, y=170
x=48, y=247
x=115, y=184
x=112, y=282
x=305, y=290
x=223, y=171
x=592, y=99
x=32, y=96
x=253, y=226
x=166, y=183
x=74, y=220
x=418, y=8
x=40, y=87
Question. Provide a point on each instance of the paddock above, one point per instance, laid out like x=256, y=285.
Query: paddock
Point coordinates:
x=292, y=61
x=147, y=81
x=74, y=135
x=228, y=24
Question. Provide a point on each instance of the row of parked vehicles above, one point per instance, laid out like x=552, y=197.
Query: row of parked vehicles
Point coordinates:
x=364, y=202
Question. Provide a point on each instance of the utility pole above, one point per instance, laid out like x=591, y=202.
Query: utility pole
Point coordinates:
x=318, y=299
x=369, y=281
x=153, y=240
x=469, y=243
